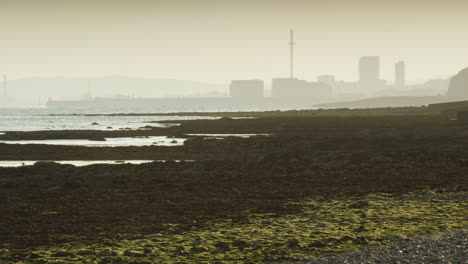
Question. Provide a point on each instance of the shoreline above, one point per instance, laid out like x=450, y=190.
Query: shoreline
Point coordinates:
x=305, y=166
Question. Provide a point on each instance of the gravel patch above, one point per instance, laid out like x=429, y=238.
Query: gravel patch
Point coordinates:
x=449, y=248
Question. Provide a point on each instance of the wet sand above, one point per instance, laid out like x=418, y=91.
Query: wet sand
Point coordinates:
x=323, y=159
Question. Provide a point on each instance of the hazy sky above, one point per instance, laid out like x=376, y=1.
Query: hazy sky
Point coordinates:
x=217, y=41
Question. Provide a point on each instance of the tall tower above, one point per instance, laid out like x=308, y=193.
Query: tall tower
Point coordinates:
x=291, y=44
x=400, y=74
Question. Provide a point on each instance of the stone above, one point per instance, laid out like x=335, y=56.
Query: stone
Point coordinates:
x=86, y=252
x=361, y=213
x=106, y=253
x=34, y=256
x=359, y=205
x=321, y=225
x=196, y=242
x=222, y=247
x=360, y=229
x=129, y=253
x=241, y=244
x=198, y=250
x=346, y=238
x=180, y=251
x=293, y=243
x=317, y=244
x=64, y=254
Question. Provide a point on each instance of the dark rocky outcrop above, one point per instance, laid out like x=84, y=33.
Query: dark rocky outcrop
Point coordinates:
x=458, y=88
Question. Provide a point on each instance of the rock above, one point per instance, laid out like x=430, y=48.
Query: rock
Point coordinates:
x=129, y=253
x=198, y=250
x=266, y=222
x=73, y=184
x=293, y=243
x=196, y=243
x=321, y=225
x=360, y=240
x=359, y=205
x=346, y=238
x=180, y=251
x=86, y=252
x=46, y=164
x=64, y=254
x=222, y=247
x=317, y=244
x=95, y=124
x=34, y=256
x=361, y=213
x=174, y=142
x=106, y=253
x=105, y=261
x=241, y=244
x=360, y=229
x=459, y=86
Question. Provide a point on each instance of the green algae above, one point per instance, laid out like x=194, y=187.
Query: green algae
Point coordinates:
x=324, y=226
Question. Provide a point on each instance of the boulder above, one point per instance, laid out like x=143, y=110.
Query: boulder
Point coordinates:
x=458, y=88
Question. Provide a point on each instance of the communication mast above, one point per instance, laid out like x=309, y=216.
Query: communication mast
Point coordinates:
x=291, y=44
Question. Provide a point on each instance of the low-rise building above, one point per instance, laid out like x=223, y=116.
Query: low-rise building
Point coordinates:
x=295, y=88
x=246, y=89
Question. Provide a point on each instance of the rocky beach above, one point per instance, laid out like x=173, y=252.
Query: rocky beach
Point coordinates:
x=303, y=187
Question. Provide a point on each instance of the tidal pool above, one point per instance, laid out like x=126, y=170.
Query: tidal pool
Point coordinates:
x=228, y=135
x=78, y=163
x=109, y=142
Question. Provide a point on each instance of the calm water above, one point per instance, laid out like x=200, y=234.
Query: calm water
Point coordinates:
x=78, y=163
x=109, y=142
x=33, y=119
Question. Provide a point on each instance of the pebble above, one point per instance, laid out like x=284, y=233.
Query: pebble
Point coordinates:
x=445, y=248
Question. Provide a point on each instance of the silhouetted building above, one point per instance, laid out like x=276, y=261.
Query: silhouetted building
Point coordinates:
x=369, y=69
x=458, y=88
x=295, y=88
x=369, y=73
x=246, y=89
x=327, y=79
x=400, y=74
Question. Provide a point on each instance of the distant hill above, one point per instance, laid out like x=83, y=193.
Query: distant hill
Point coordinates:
x=389, y=101
x=36, y=91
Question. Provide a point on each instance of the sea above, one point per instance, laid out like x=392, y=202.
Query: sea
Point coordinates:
x=39, y=119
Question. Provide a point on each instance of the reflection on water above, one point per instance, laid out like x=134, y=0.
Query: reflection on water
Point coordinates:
x=109, y=142
x=40, y=119
x=79, y=163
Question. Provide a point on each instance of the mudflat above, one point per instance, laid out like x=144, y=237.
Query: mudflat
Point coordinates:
x=308, y=185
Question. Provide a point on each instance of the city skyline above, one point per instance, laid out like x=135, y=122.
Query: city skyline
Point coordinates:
x=186, y=41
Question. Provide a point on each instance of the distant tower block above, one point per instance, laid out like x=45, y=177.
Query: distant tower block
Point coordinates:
x=400, y=74
x=369, y=69
x=291, y=44
x=369, y=74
